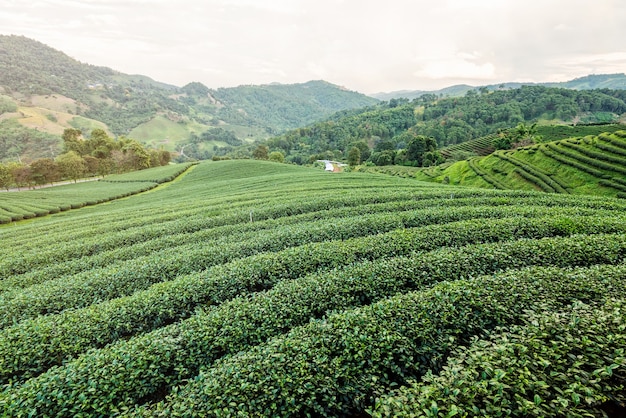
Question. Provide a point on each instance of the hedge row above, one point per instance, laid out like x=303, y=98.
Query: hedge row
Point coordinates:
x=34, y=206
x=124, y=278
x=109, y=380
x=569, y=363
x=554, y=152
x=619, y=141
x=613, y=184
x=483, y=174
x=190, y=233
x=593, y=162
x=546, y=183
x=32, y=346
x=158, y=175
x=148, y=227
x=610, y=148
x=337, y=366
x=118, y=247
x=603, y=156
x=534, y=180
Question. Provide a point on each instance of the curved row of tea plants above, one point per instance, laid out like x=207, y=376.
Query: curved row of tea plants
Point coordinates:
x=588, y=161
x=555, y=154
x=580, y=372
x=139, y=306
x=128, y=372
x=473, y=164
x=126, y=277
x=17, y=206
x=534, y=174
x=49, y=340
x=607, y=155
x=161, y=174
x=336, y=366
x=197, y=225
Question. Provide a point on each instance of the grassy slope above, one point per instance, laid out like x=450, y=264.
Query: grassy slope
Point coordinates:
x=578, y=181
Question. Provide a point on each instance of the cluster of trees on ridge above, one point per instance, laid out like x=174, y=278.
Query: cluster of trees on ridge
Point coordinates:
x=386, y=129
x=97, y=155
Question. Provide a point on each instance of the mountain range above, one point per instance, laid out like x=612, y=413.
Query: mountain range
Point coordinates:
x=588, y=82
x=43, y=91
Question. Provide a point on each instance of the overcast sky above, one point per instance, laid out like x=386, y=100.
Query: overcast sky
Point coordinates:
x=365, y=45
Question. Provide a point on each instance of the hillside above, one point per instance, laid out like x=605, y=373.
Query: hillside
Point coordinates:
x=66, y=93
x=264, y=289
x=450, y=121
x=577, y=165
x=589, y=82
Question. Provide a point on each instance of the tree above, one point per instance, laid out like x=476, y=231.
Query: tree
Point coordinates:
x=363, y=148
x=354, y=156
x=417, y=146
x=164, y=157
x=72, y=141
x=99, y=144
x=71, y=165
x=386, y=157
x=44, y=170
x=277, y=157
x=136, y=157
x=432, y=158
x=92, y=164
x=21, y=174
x=6, y=179
x=261, y=152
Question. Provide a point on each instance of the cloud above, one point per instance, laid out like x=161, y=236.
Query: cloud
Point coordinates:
x=456, y=69
x=365, y=45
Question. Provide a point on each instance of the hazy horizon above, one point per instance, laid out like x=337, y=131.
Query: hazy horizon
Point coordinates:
x=366, y=46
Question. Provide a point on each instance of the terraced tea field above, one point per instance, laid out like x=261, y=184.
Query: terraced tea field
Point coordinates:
x=577, y=165
x=249, y=288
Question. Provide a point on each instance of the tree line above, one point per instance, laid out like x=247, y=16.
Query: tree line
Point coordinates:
x=97, y=155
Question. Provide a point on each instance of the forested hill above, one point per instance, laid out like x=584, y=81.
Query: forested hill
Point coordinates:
x=280, y=106
x=448, y=121
x=64, y=92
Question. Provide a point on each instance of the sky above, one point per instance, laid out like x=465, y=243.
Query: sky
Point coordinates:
x=368, y=46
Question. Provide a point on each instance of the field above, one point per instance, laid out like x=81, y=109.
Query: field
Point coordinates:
x=41, y=202
x=249, y=288
x=594, y=164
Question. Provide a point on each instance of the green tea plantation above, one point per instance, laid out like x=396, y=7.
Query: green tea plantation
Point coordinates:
x=250, y=288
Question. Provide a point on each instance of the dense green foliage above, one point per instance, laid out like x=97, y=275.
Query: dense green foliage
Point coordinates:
x=17, y=140
x=279, y=107
x=485, y=145
x=561, y=363
x=449, y=121
x=250, y=287
x=125, y=102
x=587, y=165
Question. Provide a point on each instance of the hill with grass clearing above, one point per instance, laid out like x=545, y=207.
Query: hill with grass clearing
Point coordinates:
x=47, y=91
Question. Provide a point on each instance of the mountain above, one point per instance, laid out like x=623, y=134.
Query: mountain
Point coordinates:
x=451, y=91
x=46, y=90
x=589, y=82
